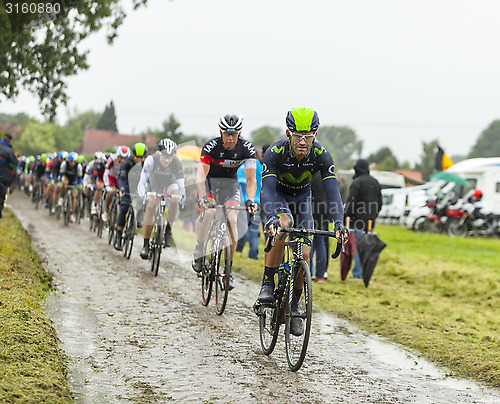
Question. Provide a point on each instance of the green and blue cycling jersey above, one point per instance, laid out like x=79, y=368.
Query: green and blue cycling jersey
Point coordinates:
x=287, y=181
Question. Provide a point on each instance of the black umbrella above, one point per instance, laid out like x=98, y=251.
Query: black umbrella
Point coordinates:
x=369, y=248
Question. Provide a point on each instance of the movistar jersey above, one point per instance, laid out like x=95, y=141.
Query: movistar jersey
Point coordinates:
x=224, y=163
x=284, y=173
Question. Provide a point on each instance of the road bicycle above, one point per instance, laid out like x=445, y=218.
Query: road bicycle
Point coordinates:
x=156, y=240
x=219, y=251
x=292, y=270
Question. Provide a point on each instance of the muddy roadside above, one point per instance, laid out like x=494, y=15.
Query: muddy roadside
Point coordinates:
x=132, y=337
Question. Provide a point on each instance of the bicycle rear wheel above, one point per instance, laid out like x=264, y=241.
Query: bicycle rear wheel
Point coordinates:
x=222, y=271
x=206, y=280
x=296, y=345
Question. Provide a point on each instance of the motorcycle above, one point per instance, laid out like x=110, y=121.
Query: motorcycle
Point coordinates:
x=472, y=225
x=443, y=215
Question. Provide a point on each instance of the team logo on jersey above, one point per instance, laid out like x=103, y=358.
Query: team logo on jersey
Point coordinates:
x=288, y=177
x=331, y=169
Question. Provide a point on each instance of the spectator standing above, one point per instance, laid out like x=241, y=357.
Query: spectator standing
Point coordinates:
x=252, y=234
x=8, y=165
x=322, y=219
x=362, y=205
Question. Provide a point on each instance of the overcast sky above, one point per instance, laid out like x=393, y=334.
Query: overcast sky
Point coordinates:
x=397, y=72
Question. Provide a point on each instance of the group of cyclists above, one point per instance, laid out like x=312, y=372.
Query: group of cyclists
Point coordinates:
x=135, y=176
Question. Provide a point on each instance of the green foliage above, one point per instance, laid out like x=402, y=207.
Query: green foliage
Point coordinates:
x=108, y=118
x=20, y=119
x=488, y=142
x=40, y=59
x=48, y=137
x=428, y=158
x=266, y=135
x=384, y=154
x=87, y=120
x=388, y=164
x=342, y=142
x=170, y=128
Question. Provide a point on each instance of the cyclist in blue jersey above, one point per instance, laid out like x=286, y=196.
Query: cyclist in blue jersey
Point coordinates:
x=289, y=166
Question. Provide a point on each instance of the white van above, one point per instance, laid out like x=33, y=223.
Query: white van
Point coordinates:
x=395, y=201
x=483, y=174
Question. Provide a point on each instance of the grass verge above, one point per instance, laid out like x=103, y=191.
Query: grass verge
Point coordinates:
x=436, y=295
x=32, y=367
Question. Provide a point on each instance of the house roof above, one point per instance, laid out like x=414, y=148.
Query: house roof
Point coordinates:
x=14, y=130
x=97, y=140
x=412, y=177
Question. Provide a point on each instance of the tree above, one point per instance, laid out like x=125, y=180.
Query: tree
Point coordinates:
x=488, y=142
x=87, y=120
x=265, y=135
x=39, y=137
x=388, y=164
x=428, y=157
x=342, y=143
x=170, y=128
x=38, y=55
x=108, y=118
x=381, y=155
x=36, y=139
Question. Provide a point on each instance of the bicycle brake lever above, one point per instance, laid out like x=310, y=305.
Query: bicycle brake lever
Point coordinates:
x=270, y=244
x=340, y=247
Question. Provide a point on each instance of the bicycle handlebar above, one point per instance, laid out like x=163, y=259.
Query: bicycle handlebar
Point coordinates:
x=306, y=232
x=211, y=206
x=160, y=195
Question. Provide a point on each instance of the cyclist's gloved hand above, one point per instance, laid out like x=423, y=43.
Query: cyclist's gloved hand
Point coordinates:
x=341, y=232
x=203, y=202
x=250, y=205
x=271, y=226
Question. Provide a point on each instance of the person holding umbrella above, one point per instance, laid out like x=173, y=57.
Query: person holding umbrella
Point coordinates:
x=362, y=206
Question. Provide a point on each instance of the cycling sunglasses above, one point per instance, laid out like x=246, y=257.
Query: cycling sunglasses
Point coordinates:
x=308, y=136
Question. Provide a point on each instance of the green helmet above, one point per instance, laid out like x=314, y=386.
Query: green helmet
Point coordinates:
x=139, y=150
x=80, y=158
x=302, y=119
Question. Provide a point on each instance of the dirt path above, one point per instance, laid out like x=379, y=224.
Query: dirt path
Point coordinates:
x=132, y=337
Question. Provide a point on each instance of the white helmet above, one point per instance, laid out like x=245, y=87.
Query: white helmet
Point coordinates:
x=123, y=151
x=167, y=147
x=231, y=123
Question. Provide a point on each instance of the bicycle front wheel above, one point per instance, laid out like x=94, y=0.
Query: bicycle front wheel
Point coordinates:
x=129, y=233
x=222, y=274
x=298, y=318
x=269, y=326
x=206, y=280
x=156, y=252
x=67, y=208
x=112, y=223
